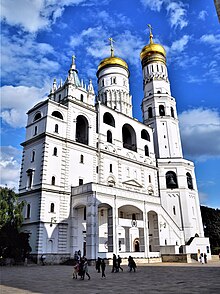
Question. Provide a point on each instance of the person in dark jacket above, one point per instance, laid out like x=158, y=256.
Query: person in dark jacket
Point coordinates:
x=131, y=264
x=119, y=263
x=114, y=265
x=98, y=264
x=103, y=266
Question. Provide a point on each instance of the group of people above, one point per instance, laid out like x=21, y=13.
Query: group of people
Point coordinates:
x=203, y=258
x=100, y=264
x=116, y=265
x=81, y=269
x=81, y=266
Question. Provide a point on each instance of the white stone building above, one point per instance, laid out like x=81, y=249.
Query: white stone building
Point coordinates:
x=97, y=180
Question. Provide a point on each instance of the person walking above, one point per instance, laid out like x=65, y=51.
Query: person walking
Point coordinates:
x=103, y=266
x=85, y=269
x=131, y=264
x=114, y=265
x=98, y=264
x=119, y=263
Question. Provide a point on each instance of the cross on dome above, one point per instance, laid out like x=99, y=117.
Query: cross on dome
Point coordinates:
x=151, y=35
x=112, y=47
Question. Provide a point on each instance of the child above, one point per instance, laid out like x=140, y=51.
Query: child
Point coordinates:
x=75, y=270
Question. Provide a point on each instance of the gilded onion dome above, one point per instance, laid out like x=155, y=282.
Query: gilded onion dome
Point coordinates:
x=112, y=60
x=152, y=51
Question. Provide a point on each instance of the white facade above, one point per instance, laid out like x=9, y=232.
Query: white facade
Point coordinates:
x=97, y=180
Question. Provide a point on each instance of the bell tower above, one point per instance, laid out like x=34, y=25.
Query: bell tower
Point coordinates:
x=177, y=181
x=158, y=106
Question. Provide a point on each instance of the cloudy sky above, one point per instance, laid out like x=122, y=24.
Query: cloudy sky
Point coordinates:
x=39, y=37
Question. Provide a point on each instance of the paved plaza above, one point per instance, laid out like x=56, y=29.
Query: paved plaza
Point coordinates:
x=150, y=278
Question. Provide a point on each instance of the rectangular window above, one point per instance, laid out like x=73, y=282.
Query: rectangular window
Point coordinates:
x=80, y=182
x=33, y=156
x=97, y=169
x=174, y=210
x=28, y=211
x=110, y=168
x=35, y=130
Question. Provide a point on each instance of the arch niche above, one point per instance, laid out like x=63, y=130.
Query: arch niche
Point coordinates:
x=131, y=229
x=105, y=228
x=153, y=228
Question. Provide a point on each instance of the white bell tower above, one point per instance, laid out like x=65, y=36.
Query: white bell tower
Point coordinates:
x=113, y=83
x=158, y=106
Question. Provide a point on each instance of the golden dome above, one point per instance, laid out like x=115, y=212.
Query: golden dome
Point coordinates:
x=113, y=60
x=153, y=48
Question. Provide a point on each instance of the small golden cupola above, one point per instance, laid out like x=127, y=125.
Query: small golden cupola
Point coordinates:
x=152, y=52
x=112, y=60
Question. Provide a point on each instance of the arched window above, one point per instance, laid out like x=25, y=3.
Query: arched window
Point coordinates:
x=129, y=137
x=37, y=116
x=53, y=181
x=33, y=156
x=57, y=114
x=28, y=211
x=56, y=128
x=145, y=135
x=82, y=130
x=81, y=97
x=161, y=110
x=171, y=180
x=109, y=136
x=172, y=111
x=109, y=119
x=146, y=150
x=52, y=207
x=29, y=178
x=189, y=181
x=55, y=151
x=150, y=112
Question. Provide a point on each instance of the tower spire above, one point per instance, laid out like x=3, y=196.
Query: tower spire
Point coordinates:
x=112, y=47
x=151, y=34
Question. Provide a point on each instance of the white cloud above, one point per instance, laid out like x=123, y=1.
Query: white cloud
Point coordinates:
x=10, y=158
x=154, y=5
x=34, y=15
x=202, y=14
x=180, y=45
x=200, y=132
x=17, y=100
x=211, y=39
x=176, y=10
x=177, y=14
x=95, y=40
x=26, y=62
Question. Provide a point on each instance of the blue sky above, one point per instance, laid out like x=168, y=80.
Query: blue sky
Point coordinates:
x=38, y=38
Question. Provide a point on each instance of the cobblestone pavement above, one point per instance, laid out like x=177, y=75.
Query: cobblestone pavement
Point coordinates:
x=150, y=278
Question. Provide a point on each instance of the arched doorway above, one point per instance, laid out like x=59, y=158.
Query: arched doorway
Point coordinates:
x=136, y=245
